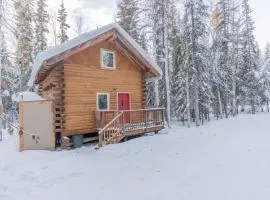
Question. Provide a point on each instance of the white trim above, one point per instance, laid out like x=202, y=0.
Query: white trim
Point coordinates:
x=129, y=93
x=101, y=59
x=108, y=101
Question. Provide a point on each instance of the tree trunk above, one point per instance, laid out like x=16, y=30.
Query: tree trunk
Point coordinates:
x=188, y=101
x=167, y=80
x=234, y=112
x=156, y=93
x=220, y=104
x=197, y=110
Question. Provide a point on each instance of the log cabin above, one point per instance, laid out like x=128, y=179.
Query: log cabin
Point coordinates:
x=97, y=83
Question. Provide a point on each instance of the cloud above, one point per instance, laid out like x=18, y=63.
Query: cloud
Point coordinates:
x=96, y=12
x=99, y=3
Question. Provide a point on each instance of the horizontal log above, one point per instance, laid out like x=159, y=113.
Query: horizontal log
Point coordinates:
x=57, y=124
x=78, y=132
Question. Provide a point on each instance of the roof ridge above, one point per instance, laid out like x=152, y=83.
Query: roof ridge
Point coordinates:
x=83, y=38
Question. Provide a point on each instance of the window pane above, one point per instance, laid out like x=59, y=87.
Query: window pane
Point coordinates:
x=108, y=59
x=102, y=101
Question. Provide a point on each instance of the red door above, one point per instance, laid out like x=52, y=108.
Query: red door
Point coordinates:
x=123, y=101
x=124, y=104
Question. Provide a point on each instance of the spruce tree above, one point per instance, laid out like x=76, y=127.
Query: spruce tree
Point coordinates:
x=128, y=17
x=161, y=31
x=41, y=26
x=24, y=36
x=250, y=64
x=267, y=52
x=195, y=35
x=178, y=79
x=62, y=19
x=9, y=79
x=222, y=43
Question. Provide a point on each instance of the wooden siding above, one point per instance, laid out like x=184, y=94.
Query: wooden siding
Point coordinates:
x=84, y=78
x=51, y=88
x=51, y=84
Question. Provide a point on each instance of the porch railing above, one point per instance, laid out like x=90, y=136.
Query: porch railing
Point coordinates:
x=112, y=131
x=127, y=122
x=104, y=117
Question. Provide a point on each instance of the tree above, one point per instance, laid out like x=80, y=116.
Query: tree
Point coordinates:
x=195, y=36
x=79, y=23
x=24, y=37
x=250, y=59
x=62, y=19
x=267, y=52
x=178, y=90
x=41, y=26
x=9, y=80
x=128, y=17
x=161, y=31
x=4, y=82
x=222, y=44
x=53, y=27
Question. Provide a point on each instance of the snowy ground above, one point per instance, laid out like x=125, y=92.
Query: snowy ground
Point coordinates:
x=224, y=160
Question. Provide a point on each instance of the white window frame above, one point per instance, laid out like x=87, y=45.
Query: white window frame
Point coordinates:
x=108, y=102
x=101, y=59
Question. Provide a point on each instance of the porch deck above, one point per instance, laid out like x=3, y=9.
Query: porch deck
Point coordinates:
x=114, y=126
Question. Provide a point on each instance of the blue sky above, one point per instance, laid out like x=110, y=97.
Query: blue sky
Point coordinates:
x=101, y=12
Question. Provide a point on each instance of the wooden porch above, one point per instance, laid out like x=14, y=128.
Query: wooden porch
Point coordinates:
x=114, y=126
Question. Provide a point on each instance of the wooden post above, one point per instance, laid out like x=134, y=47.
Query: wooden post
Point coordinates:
x=123, y=122
x=145, y=119
x=100, y=140
x=163, y=116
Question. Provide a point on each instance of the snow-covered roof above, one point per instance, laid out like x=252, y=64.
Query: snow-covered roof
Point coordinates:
x=46, y=55
x=26, y=96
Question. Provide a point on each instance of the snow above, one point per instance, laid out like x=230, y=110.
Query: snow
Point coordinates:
x=26, y=96
x=6, y=93
x=46, y=55
x=224, y=160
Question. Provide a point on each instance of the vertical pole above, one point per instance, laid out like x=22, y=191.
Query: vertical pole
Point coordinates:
x=123, y=122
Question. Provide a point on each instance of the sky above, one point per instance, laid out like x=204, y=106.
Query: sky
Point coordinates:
x=261, y=16
x=101, y=12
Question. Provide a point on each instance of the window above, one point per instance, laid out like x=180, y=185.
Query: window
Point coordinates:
x=107, y=59
x=103, y=100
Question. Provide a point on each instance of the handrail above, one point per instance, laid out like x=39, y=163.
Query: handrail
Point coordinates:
x=144, y=109
x=108, y=125
x=128, y=122
x=101, y=133
x=105, y=117
x=148, y=109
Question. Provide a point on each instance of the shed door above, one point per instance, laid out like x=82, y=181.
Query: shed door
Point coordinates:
x=123, y=101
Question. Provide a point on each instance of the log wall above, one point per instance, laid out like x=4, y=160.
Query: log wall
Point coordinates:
x=51, y=88
x=84, y=78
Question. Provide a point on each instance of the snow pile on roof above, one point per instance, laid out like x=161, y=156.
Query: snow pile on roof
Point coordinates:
x=46, y=55
x=26, y=96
